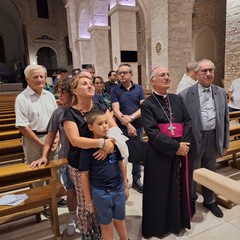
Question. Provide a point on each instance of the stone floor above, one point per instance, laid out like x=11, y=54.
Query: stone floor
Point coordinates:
x=204, y=225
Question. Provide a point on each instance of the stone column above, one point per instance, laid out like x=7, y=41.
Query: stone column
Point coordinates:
x=171, y=36
x=124, y=35
x=100, y=49
x=72, y=31
x=84, y=51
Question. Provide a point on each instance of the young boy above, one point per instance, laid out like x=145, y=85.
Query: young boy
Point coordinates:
x=104, y=182
x=55, y=124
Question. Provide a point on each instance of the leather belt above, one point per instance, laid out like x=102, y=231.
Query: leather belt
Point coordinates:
x=40, y=133
x=209, y=131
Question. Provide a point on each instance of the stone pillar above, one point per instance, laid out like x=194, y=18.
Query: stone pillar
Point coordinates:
x=124, y=35
x=100, y=49
x=171, y=36
x=72, y=31
x=232, y=53
x=84, y=50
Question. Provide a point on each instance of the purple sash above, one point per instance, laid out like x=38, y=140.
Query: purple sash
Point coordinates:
x=172, y=129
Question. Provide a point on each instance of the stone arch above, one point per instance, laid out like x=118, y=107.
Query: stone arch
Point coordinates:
x=47, y=57
x=2, y=49
x=205, y=44
x=11, y=29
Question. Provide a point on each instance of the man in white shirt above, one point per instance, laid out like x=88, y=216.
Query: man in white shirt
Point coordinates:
x=234, y=96
x=33, y=108
x=188, y=79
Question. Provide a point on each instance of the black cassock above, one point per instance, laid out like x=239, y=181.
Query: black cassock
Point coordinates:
x=165, y=198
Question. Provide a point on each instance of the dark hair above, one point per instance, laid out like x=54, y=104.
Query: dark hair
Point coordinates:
x=110, y=73
x=90, y=66
x=76, y=70
x=62, y=70
x=99, y=77
x=65, y=85
x=92, y=115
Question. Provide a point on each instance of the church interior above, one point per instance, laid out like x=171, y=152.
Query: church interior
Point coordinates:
x=105, y=33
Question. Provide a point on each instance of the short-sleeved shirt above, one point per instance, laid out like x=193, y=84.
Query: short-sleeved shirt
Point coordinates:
x=33, y=110
x=55, y=124
x=235, y=89
x=105, y=174
x=73, y=115
x=129, y=101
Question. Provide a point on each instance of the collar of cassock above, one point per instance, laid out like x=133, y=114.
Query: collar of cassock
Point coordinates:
x=162, y=95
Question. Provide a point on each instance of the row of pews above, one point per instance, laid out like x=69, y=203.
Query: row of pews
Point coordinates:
x=17, y=177
x=10, y=138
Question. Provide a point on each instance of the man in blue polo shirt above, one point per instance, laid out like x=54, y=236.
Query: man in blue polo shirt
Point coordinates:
x=126, y=100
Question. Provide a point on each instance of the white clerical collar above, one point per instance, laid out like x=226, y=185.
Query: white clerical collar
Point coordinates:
x=159, y=94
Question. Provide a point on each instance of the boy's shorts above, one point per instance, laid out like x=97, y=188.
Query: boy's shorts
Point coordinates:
x=109, y=205
x=67, y=181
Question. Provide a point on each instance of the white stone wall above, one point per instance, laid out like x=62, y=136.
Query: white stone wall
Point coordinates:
x=232, y=50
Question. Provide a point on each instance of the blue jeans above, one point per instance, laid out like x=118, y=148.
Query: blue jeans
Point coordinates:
x=136, y=168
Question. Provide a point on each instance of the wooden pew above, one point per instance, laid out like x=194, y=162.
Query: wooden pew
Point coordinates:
x=15, y=177
x=7, y=111
x=7, y=120
x=235, y=115
x=7, y=126
x=11, y=150
x=9, y=134
x=234, y=131
x=8, y=115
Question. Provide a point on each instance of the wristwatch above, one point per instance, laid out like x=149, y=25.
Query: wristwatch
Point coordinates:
x=132, y=117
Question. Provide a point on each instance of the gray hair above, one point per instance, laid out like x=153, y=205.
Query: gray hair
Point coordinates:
x=198, y=66
x=33, y=67
x=191, y=66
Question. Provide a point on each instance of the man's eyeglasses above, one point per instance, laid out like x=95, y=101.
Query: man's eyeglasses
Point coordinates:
x=123, y=72
x=204, y=71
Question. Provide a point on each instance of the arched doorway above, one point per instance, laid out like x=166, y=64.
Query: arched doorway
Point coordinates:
x=11, y=43
x=48, y=58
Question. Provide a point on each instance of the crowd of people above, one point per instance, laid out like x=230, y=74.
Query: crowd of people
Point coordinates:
x=185, y=131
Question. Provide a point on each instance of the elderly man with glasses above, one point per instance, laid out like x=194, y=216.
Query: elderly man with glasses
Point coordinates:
x=207, y=106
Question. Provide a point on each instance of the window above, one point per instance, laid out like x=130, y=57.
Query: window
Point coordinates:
x=42, y=8
x=2, y=51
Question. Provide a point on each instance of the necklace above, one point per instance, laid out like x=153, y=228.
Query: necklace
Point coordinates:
x=171, y=128
x=83, y=113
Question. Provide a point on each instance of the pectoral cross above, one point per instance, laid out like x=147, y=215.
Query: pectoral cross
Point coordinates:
x=171, y=129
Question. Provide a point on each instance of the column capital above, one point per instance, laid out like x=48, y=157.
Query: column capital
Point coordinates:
x=122, y=8
x=68, y=2
x=98, y=28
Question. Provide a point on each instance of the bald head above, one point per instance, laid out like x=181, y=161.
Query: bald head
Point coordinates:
x=160, y=79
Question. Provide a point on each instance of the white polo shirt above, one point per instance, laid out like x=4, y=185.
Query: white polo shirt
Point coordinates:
x=33, y=110
x=235, y=89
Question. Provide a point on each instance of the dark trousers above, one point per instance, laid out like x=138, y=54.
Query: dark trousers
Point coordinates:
x=136, y=168
x=206, y=159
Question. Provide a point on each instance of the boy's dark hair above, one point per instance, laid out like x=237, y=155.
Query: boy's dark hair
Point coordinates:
x=110, y=73
x=62, y=70
x=65, y=85
x=92, y=115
